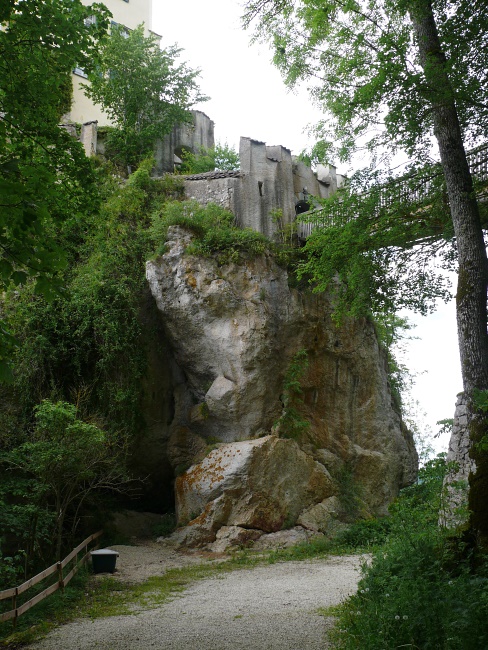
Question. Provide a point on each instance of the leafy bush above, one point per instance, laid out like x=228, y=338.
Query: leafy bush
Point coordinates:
x=364, y=534
x=214, y=230
x=292, y=422
x=221, y=158
x=66, y=460
x=420, y=590
x=87, y=347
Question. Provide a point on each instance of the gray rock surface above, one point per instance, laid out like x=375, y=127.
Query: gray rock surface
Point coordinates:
x=234, y=329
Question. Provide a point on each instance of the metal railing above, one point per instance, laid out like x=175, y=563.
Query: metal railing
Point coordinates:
x=412, y=189
x=62, y=581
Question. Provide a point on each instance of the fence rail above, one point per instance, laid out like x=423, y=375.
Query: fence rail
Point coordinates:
x=62, y=581
x=413, y=188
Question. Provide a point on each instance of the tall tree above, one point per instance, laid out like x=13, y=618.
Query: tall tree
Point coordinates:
x=44, y=175
x=392, y=74
x=143, y=90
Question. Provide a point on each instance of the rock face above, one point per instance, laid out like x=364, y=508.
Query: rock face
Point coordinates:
x=259, y=484
x=234, y=330
x=456, y=509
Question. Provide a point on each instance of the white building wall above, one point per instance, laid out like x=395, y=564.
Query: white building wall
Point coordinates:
x=130, y=14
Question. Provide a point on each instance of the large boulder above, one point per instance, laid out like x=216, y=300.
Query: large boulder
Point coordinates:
x=234, y=330
x=259, y=484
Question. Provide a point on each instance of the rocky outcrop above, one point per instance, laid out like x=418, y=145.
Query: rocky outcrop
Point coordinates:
x=259, y=484
x=234, y=331
x=460, y=466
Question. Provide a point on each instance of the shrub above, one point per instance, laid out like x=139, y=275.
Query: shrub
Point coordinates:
x=364, y=534
x=420, y=590
x=214, y=230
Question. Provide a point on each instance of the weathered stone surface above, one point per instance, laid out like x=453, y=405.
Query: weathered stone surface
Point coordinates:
x=229, y=537
x=324, y=517
x=284, y=538
x=234, y=330
x=261, y=484
x=455, y=512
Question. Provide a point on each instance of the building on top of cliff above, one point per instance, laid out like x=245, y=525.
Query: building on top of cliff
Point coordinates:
x=130, y=14
x=193, y=136
x=269, y=179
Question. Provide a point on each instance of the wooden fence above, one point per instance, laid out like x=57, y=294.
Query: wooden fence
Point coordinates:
x=61, y=582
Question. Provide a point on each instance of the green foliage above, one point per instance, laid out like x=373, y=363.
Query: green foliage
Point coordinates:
x=287, y=232
x=318, y=154
x=45, y=177
x=292, y=424
x=143, y=90
x=219, y=158
x=87, y=348
x=350, y=493
x=418, y=591
x=380, y=245
x=65, y=460
x=365, y=534
x=480, y=398
x=214, y=231
x=361, y=66
x=391, y=331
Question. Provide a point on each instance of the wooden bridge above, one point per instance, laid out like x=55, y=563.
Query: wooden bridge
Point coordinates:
x=409, y=193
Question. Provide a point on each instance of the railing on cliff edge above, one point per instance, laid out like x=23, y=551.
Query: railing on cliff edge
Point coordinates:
x=61, y=582
x=414, y=189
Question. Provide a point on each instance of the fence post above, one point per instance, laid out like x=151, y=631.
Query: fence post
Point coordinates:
x=60, y=575
x=14, y=606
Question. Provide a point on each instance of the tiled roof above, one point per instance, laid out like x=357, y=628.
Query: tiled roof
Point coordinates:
x=215, y=174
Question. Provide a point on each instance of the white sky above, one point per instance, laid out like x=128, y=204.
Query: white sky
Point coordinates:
x=248, y=98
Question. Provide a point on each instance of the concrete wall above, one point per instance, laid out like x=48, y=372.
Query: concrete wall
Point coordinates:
x=221, y=188
x=269, y=179
x=266, y=185
x=184, y=136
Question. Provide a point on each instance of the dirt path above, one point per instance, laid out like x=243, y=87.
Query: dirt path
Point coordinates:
x=269, y=607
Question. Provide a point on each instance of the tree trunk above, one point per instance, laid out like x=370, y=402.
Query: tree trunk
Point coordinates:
x=473, y=270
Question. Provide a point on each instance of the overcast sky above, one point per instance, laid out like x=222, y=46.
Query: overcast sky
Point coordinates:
x=248, y=98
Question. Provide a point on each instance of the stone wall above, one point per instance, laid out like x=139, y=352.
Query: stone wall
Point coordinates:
x=270, y=179
x=454, y=511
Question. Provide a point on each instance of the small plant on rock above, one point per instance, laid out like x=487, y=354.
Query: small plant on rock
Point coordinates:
x=292, y=423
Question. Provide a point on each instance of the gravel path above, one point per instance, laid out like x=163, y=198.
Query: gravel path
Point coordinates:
x=269, y=607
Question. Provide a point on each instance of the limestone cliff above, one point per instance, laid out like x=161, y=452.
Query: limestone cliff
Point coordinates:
x=234, y=330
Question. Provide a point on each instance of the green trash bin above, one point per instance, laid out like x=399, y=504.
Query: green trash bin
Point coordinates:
x=104, y=560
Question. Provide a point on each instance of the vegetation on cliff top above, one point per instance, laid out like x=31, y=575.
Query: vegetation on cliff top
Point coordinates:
x=144, y=90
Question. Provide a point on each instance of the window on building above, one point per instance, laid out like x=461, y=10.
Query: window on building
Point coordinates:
x=123, y=29
x=90, y=20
